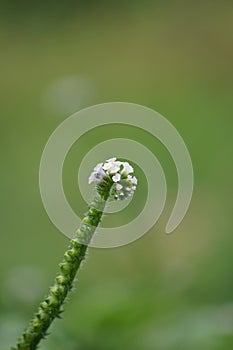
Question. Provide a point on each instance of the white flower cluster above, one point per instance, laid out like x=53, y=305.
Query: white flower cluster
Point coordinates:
x=121, y=173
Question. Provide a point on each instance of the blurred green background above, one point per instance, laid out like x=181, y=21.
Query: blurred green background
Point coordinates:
x=160, y=292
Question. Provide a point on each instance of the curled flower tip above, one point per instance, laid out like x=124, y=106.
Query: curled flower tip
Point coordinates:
x=114, y=177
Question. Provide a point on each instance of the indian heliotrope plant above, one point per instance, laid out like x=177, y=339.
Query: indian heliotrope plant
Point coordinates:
x=114, y=180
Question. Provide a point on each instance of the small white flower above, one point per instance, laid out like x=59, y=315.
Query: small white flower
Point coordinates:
x=134, y=188
x=98, y=167
x=116, y=177
x=97, y=175
x=119, y=187
x=107, y=166
x=91, y=178
x=112, y=167
x=115, y=168
x=134, y=180
x=94, y=177
x=127, y=169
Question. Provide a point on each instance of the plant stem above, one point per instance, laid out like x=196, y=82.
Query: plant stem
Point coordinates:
x=52, y=306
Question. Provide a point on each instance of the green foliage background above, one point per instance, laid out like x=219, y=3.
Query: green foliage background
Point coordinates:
x=161, y=292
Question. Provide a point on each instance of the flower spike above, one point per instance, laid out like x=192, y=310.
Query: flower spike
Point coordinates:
x=114, y=180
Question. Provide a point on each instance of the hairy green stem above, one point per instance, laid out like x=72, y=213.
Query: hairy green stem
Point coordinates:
x=52, y=306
